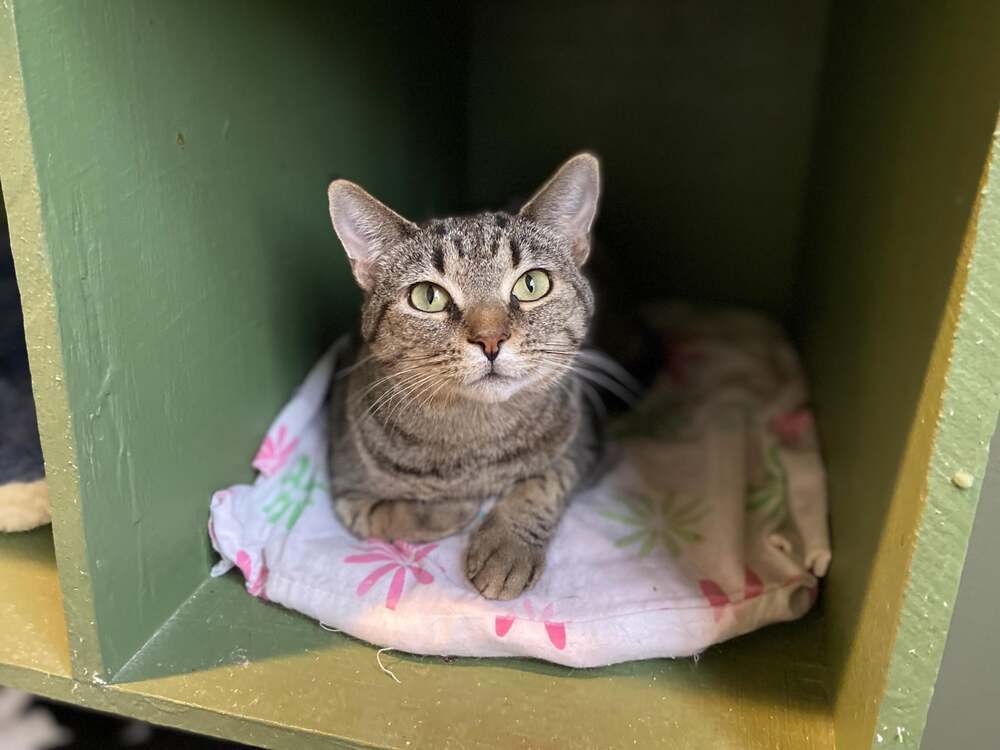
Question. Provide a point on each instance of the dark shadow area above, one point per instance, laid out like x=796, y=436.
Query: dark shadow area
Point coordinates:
x=33, y=546
x=20, y=448
x=93, y=730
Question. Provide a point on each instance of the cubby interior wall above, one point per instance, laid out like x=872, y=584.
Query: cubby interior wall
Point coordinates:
x=702, y=113
x=908, y=111
x=182, y=155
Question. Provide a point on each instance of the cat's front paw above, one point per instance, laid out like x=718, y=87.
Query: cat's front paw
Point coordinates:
x=498, y=564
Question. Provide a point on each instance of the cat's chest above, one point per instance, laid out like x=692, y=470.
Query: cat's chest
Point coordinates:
x=477, y=458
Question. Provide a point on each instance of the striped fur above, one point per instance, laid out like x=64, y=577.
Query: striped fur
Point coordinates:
x=427, y=428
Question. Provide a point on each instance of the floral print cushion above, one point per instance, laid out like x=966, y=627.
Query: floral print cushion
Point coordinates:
x=710, y=524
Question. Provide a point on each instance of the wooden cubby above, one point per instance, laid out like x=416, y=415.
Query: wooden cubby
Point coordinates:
x=164, y=167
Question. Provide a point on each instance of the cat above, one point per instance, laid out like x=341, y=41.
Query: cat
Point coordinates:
x=462, y=386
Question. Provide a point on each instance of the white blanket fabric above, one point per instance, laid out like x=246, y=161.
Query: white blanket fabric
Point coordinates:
x=711, y=523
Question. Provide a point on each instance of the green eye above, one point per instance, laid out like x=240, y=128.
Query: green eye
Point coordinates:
x=428, y=297
x=531, y=286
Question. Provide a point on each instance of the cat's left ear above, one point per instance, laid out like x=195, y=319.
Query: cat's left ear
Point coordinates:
x=568, y=202
x=365, y=226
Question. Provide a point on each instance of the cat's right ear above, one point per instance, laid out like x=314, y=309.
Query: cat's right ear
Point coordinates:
x=568, y=202
x=365, y=226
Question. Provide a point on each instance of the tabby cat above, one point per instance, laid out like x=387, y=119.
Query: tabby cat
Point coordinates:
x=462, y=388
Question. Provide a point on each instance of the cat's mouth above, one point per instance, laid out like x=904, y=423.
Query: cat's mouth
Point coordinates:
x=494, y=386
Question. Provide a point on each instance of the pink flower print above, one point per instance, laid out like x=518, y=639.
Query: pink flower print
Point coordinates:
x=557, y=634
x=716, y=597
x=719, y=600
x=556, y=631
x=274, y=452
x=792, y=426
x=255, y=586
x=753, y=587
x=503, y=624
x=397, y=558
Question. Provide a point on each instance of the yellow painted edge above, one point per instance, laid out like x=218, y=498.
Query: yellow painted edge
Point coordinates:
x=338, y=698
x=151, y=708
x=887, y=601
x=32, y=625
x=25, y=218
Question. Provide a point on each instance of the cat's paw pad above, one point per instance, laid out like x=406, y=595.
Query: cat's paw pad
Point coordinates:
x=499, y=565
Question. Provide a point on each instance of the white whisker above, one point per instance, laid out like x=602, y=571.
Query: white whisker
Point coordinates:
x=609, y=366
x=401, y=391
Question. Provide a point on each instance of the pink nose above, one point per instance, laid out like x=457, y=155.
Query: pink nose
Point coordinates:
x=490, y=342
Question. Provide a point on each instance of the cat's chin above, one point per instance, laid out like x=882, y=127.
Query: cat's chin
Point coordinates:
x=493, y=389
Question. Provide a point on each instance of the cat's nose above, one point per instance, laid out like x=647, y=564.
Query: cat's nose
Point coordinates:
x=490, y=343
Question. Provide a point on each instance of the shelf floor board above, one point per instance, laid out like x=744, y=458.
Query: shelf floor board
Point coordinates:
x=32, y=625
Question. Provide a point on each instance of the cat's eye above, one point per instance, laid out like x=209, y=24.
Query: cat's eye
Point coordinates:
x=532, y=285
x=428, y=297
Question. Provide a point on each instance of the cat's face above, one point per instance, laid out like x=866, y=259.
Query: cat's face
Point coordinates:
x=480, y=307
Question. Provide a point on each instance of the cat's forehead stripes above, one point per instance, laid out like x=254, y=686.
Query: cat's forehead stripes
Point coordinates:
x=437, y=257
x=478, y=238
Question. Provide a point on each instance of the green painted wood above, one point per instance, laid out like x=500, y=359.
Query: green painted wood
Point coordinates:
x=23, y=206
x=965, y=423
x=963, y=711
x=910, y=103
x=703, y=114
x=170, y=230
x=232, y=666
x=227, y=652
x=182, y=153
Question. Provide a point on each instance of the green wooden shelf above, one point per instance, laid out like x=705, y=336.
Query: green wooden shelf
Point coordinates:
x=230, y=666
x=164, y=169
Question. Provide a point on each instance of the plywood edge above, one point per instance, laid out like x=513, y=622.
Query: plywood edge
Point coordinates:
x=965, y=371
x=24, y=211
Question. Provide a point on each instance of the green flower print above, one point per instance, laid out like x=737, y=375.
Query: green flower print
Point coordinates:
x=669, y=520
x=768, y=497
x=294, y=494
